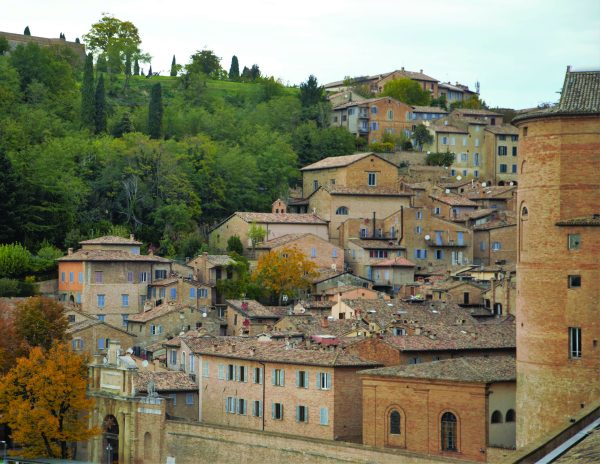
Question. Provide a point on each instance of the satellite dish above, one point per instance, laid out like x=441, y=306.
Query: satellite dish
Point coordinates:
x=144, y=363
x=129, y=351
x=447, y=190
x=483, y=184
x=427, y=237
x=204, y=314
x=458, y=177
x=511, y=183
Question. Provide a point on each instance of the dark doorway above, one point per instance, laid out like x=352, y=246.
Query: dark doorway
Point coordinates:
x=110, y=440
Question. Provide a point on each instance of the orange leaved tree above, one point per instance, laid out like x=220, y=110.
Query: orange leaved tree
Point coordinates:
x=285, y=272
x=43, y=401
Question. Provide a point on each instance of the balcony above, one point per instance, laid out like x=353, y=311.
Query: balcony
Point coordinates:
x=446, y=243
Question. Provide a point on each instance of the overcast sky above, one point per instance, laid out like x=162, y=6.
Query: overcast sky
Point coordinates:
x=517, y=49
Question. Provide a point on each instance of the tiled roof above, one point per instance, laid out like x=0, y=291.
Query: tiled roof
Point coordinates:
x=220, y=260
x=371, y=191
x=164, y=282
x=453, y=200
x=337, y=161
x=324, y=304
x=428, y=109
x=274, y=351
x=363, y=102
x=285, y=239
x=87, y=323
x=592, y=220
x=449, y=129
x=252, y=309
x=110, y=240
x=376, y=244
x=580, y=95
x=157, y=311
x=164, y=381
x=450, y=284
x=419, y=76
x=467, y=369
x=504, y=129
x=472, y=112
x=496, y=224
x=111, y=255
x=479, y=213
x=394, y=262
x=492, y=192
x=341, y=289
x=278, y=218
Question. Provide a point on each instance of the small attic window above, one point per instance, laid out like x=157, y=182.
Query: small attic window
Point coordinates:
x=525, y=131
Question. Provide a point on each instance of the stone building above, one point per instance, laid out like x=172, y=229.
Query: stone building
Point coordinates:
x=495, y=242
x=456, y=408
x=14, y=40
x=501, y=153
x=92, y=336
x=558, y=258
x=249, y=317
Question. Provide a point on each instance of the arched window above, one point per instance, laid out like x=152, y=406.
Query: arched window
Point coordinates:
x=496, y=417
x=395, y=423
x=342, y=211
x=497, y=309
x=147, y=446
x=510, y=415
x=449, y=437
x=524, y=212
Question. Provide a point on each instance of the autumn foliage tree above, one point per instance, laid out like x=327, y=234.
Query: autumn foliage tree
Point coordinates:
x=284, y=272
x=43, y=400
x=40, y=321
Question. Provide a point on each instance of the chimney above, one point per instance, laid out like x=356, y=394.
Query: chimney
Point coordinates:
x=114, y=351
x=252, y=351
x=214, y=347
x=131, y=237
x=232, y=348
x=70, y=251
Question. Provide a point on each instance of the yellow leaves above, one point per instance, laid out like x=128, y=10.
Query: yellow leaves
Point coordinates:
x=43, y=400
x=285, y=271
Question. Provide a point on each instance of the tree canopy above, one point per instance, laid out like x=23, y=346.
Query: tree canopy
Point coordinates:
x=407, y=91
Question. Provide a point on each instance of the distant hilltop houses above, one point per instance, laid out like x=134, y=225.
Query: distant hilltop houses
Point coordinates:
x=14, y=40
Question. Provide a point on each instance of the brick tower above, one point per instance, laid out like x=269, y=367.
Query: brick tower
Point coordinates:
x=558, y=266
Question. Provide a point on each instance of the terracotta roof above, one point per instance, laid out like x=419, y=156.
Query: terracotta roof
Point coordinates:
x=450, y=129
x=324, y=304
x=496, y=224
x=342, y=289
x=504, y=129
x=365, y=102
x=285, y=239
x=428, y=109
x=157, y=311
x=383, y=244
x=111, y=255
x=413, y=75
x=394, y=262
x=450, y=284
x=87, y=323
x=252, y=349
x=278, y=218
x=164, y=282
x=164, y=381
x=314, y=326
x=472, y=112
x=110, y=240
x=371, y=191
x=592, y=220
x=252, y=309
x=467, y=369
x=492, y=192
x=337, y=161
x=479, y=213
x=453, y=199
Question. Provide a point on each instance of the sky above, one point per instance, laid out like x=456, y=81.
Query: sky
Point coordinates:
x=518, y=50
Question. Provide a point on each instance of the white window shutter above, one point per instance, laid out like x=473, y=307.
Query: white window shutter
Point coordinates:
x=273, y=376
x=297, y=378
x=297, y=413
x=282, y=377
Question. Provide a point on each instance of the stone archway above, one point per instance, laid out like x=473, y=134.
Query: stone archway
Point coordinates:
x=110, y=440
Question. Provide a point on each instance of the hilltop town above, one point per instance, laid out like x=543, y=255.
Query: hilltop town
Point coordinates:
x=378, y=269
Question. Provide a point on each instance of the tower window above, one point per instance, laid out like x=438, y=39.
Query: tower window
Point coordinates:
x=574, y=281
x=574, y=342
x=574, y=241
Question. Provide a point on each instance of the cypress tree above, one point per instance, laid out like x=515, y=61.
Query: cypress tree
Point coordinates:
x=155, y=112
x=128, y=65
x=150, y=71
x=100, y=106
x=77, y=40
x=173, y=67
x=124, y=126
x=136, y=67
x=26, y=31
x=101, y=65
x=234, y=69
x=88, y=107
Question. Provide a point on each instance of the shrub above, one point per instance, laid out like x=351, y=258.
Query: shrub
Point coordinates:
x=382, y=147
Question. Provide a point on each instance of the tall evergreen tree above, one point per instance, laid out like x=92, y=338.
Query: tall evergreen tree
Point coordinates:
x=9, y=185
x=77, y=40
x=88, y=108
x=26, y=31
x=155, y=112
x=150, y=71
x=100, y=106
x=246, y=74
x=310, y=92
x=173, y=67
x=234, y=69
x=124, y=126
x=101, y=65
x=128, y=65
x=136, y=67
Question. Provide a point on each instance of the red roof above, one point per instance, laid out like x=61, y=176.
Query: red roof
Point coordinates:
x=394, y=262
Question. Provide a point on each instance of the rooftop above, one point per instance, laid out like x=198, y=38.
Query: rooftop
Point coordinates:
x=156, y=311
x=111, y=255
x=478, y=113
x=164, y=381
x=454, y=200
x=592, y=220
x=337, y=161
x=467, y=369
x=428, y=109
x=381, y=244
x=252, y=309
x=372, y=191
x=285, y=239
x=504, y=129
x=111, y=240
x=397, y=261
x=280, y=218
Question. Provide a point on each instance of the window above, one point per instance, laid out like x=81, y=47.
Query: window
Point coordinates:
x=477, y=140
x=189, y=399
x=502, y=150
x=437, y=210
x=205, y=368
x=130, y=277
x=174, y=398
x=192, y=363
x=278, y=377
x=476, y=159
x=221, y=374
x=101, y=300
x=125, y=300
x=510, y=414
x=160, y=274
x=453, y=172
x=514, y=151
x=315, y=184
x=341, y=211
x=448, y=429
x=80, y=277
x=444, y=140
x=324, y=416
x=192, y=293
x=230, y=372
x=302, y=413
x=503, y=168
x=173, y=357
x=420, y=253
x=482, y=246
x=514, y=168
x=399, y=331
x=514, y=138
x=277, y=411
x=496, y=246
x=465, y=172
x=124, y=318
x=71, y=318
x=101, y=343
x=574, y=342
x=324, y=381
x=78, y=298
x=241, y=406
x=502, y=137
x=476, y=173
x=71, y=277
x=439, y=254
x=374, y=110
x=574, y=241
x=350, y=111
x=242, y=374
x=415, y=360
x=363, y=232
x=63, y=277
x=574, y=281
x=374, y=126
x=372, y=181
x=257, y=375
x=173, y=293
x=378, y=254
x=464, y=157
x=334, y=253
x=313, y=252
x=143, y=277
x=496, y=417
x=395, y=423
x=99, y=277
x=257, y=408
x=162, y=292
x=419, y=214
x=464, y=141
x=230, y=405
x=77, y=344
x=100, y=317
x=302, y=379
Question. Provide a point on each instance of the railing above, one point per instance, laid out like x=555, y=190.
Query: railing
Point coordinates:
x=446, y=243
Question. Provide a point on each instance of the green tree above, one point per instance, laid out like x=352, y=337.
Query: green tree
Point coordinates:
x=4, y=46
x=88, y=98
x=40, y=321
x=15, y=260
x=136, y=67
x=255, y=72
x=100, y=116
x=174, y=67
x=310, y=92
x=234, y=244
x=124, y=126
x=422, y=136
x=407, y=91
x=234, y=69
x=101, y=64
x=440, y=102
x=9, y=188
x=205, y=62
x=256, y=234
x=26, y=31
x=439, y=159
x=155, y=112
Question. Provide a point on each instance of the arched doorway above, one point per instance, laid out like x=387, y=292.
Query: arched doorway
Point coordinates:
x=110, y=440
x=72, y=299
x=147, y=447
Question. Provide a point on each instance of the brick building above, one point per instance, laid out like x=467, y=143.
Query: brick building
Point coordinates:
x=495, y=242
x=249, y=317
x=91, y=336
x=558, y=258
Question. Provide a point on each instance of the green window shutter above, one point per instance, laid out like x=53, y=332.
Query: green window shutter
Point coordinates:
x=297, y=378
x=319, y=380
x=273, y=410
x=282, y=377
x=297, y=413
x=273, y=376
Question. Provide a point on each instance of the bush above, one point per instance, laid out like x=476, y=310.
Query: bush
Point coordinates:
x=234, y=244
x=382, y=147
x=13, y=287
x=439, y=159
x=15, y=260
